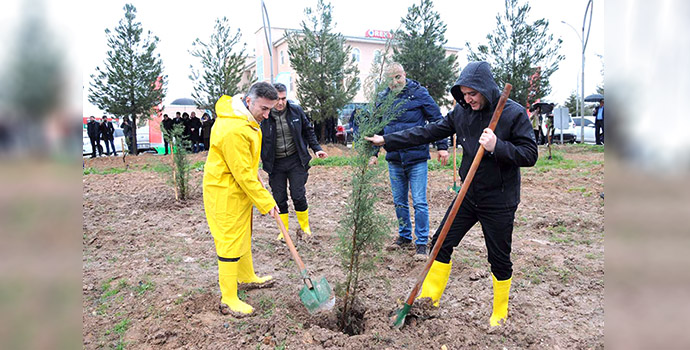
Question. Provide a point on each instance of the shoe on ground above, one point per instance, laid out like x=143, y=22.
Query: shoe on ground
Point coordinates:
x=421, y=252
x=400, y=242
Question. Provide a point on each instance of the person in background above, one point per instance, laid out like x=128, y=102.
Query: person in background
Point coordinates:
x=126, y=127
x=408, y=167
x=195, y=132
x=167, y=124
x=599, y=123
x=94, y=132
x=206, y=124
x=108, y=135
x=287, y=134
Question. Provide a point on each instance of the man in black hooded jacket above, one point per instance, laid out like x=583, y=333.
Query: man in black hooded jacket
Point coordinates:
x=494, y=194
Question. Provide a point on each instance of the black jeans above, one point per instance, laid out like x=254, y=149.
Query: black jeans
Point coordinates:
x=497, y=225
x=289, y=169
x=167, y=144
x=598, y=131
x=96, y=145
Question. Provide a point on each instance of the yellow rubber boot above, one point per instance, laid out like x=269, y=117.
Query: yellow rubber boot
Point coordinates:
x=436, y=281
x=303, y=218
x=285, y=219
x=246, y=272
x=227, y=278
x=501, y=294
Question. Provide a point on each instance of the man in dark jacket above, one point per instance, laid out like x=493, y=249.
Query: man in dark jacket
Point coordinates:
x=107, y=134
x=206, y=124
x=126, y=127
x=195, y=132
x=94, y=132
x=599, y=123
x=407, y=167
x=167, y=124
x=494, y=194
x=286, y=134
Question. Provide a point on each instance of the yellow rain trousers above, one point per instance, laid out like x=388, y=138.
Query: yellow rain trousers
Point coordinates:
x=231, y=188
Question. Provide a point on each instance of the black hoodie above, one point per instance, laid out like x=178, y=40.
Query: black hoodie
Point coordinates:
x=497, y=181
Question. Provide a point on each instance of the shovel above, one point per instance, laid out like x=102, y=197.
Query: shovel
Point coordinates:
x=402, y=313
x=316, y=296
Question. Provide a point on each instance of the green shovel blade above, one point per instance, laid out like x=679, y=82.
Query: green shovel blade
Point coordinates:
x=318, y=298
x=400, y=316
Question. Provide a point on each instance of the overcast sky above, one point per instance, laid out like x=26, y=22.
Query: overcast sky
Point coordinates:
x=177, y=24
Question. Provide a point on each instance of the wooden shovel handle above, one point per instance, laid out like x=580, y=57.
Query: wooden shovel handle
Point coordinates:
x=458, y=200
x=290, y=245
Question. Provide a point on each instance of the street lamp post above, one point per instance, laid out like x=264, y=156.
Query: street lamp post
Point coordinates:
x=579, y=110
x=584, y=39
x=267, y=34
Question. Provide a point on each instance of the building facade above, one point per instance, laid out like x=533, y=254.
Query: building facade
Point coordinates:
x=272, y=62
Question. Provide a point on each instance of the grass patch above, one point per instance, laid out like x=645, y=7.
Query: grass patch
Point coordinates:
x=159, y=167
x=92, y=171
x=563, y=273
x=144, y=286
x=199, y=166
x=269, y=305
x=120, y=329
x=556, y=162
x=107, y=290
x=333, y=161
x=581, y=189
x=535, y=275
x=434, y=164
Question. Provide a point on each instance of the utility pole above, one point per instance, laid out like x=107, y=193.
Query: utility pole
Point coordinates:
x=583, y=40
x=267, y=34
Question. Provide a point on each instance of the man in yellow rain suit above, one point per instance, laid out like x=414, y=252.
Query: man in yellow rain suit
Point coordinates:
x=232, y=187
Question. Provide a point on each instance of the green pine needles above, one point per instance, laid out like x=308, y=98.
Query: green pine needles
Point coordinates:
x=363, y=230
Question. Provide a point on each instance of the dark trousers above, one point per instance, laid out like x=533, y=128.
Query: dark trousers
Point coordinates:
x=497, y=226
x=96, y=145
x=166, y=144
x=289, y=169
x=110, y=144
x=207, y=143
x=599, y=131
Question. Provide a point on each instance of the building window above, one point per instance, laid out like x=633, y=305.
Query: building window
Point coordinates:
x=355, y=54
x=377, y=54
x=260, y=68
x=282, y=57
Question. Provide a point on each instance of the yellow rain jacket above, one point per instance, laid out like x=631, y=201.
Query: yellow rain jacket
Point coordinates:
x=231, y=184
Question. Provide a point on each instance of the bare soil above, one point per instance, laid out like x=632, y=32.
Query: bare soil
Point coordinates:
x=150, y=272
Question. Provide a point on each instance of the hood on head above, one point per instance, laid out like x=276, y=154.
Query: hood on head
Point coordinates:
x=478, y=76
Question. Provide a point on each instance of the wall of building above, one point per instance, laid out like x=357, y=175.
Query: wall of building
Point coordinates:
x=366, y=47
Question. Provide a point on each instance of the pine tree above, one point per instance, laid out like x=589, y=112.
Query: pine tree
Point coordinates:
x=327, y=76
x=363, y=228
x=131, y=82
x=221, y=66
x=571, y=103
x=419, y=48
x=522, y=54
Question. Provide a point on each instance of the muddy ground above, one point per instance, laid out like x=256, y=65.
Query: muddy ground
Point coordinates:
x=150, y=272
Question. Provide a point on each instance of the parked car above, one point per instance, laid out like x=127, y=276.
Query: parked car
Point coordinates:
x=589, y=129
x=568, y=133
